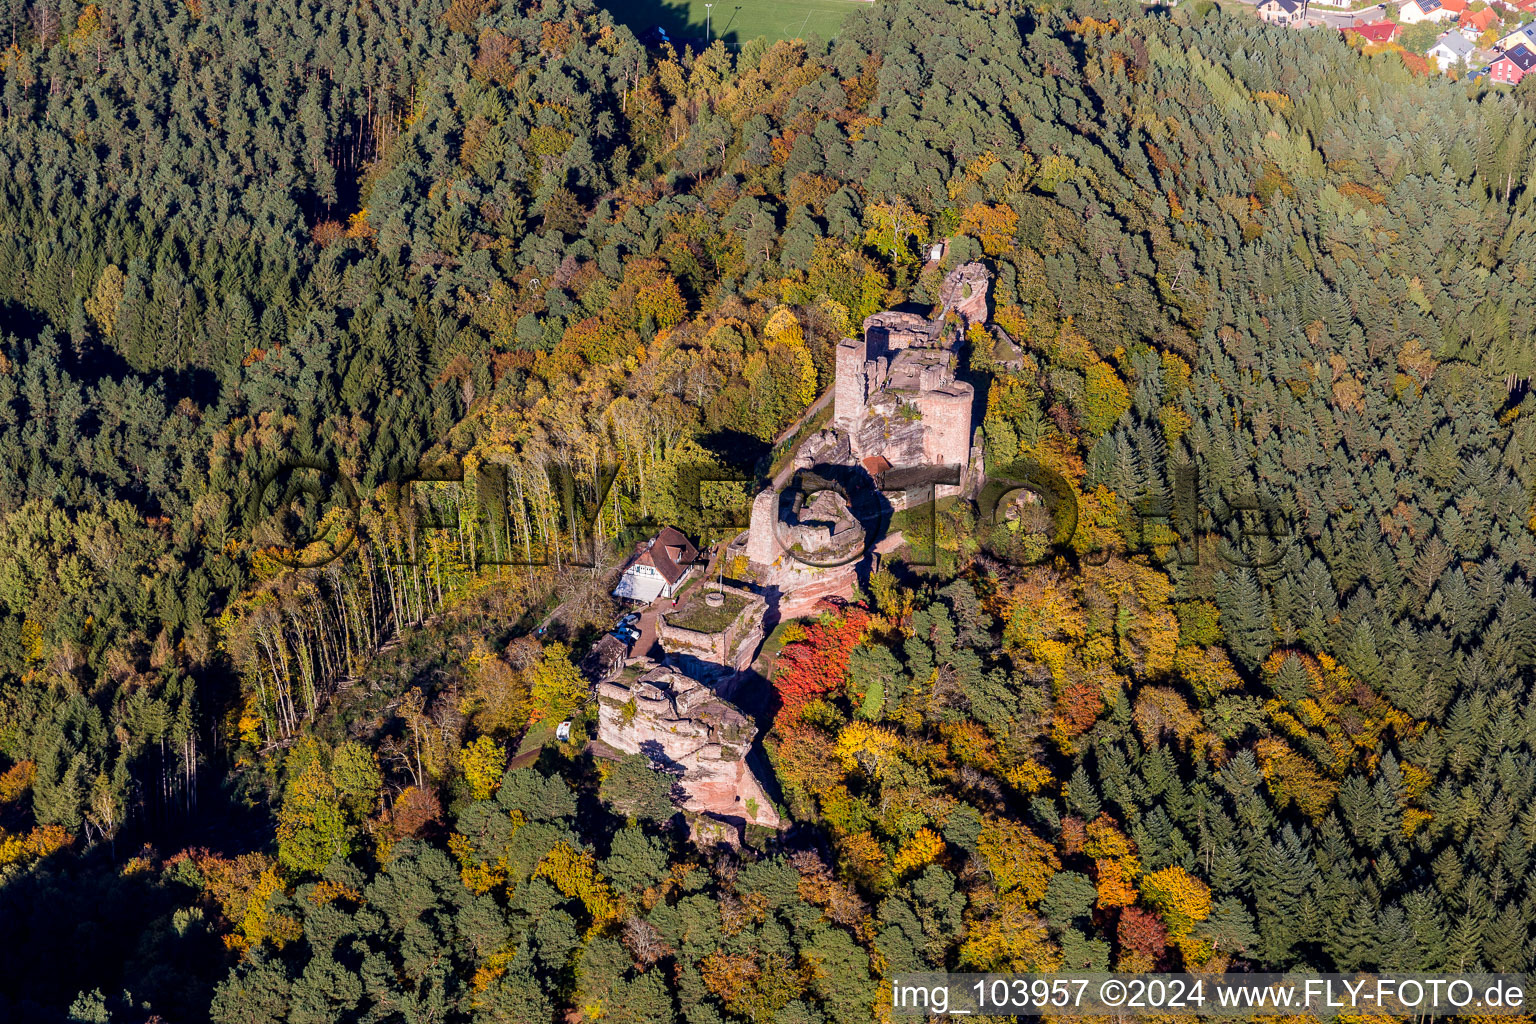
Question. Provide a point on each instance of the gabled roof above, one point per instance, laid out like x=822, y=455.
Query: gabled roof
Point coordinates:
x=1454, y=6
x=1377, y=32
x=1522, y=57
x=1288, y=6
x=669, y=553
x=1454, y=43
x=1480, y=20
x=1427, y=6
x=1521, y=31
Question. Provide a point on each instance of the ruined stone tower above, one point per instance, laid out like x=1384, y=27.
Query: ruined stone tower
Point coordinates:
x=896, y=403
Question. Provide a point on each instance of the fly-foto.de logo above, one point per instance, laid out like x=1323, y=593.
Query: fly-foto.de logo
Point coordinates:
x=307, y=513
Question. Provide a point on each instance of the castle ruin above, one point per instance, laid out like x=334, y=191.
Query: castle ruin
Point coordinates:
x=676, y=711
x=896, y=395
x=897, y=403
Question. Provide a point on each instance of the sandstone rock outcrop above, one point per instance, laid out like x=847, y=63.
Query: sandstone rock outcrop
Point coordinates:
x=686, y=729
x=716, y=632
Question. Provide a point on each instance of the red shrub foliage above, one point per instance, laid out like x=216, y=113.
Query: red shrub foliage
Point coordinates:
x=1074, y=835
x=1143, y=931
x=817, y=663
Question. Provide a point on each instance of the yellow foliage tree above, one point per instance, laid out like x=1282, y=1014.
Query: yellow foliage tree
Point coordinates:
x=782, y=326
x=558, y=687
x=261, y=923
x=1180, y=897
x=1107, y=399
x=38, y=843
x=483, y=762
x=575, y=874
x=1294, y=779
x=871, y=748
x=861, y=858
x=1019, y=859
x=1011, y=938
x=918, y=852
x=993, y=226
x=104, y=303
x=891, y=227
x=1116, y=864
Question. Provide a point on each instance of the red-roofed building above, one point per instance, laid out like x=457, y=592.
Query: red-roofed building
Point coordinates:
x=1376, y=32
x=659, y=566
x=1478, y=22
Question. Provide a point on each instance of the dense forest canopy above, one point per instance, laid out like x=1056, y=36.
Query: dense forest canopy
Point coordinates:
x=238, y=239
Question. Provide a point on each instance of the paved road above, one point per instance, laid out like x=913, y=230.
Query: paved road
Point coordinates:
x=1347, y=19
x=645, y=647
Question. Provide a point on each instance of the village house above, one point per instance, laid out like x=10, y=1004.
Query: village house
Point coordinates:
x=1415, y=11
x=1525, y=36
x=1474, y=23
x=658, y=567
x=1282, y=12
x=1378, y=32
x=1513, y=65
x=1449, y=50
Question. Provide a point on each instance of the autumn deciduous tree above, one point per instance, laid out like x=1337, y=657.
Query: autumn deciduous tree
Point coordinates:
x=1019, y=859
x=1115, y=862
x=1004, y=934
x=922, y=849
x=892, y=227
x=817, y=663
x=993, y=226
x=866, y=747
x=1107, y=399
x=575, y=874
x=326, y=798
x=483, y=761
x=107, y=298
x=1181, y=898
x=1142, y=932
x=751, y=990
x=558, y=687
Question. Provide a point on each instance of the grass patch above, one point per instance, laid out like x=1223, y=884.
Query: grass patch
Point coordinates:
x=772, y=645
x=701, y=618
x=736, y=21
x=534, y=738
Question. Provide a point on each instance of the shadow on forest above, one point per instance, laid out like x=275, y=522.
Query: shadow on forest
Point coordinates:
x=736, y=448
x=76, y=924
x=682, y=28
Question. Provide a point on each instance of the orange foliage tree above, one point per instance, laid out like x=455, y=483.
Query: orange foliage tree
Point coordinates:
x=1115, y=862
x=817, y=663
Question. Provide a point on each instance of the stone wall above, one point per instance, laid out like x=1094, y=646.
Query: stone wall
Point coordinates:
x=947, y=424
x=895, y=398
x=848, y=389
x=732, y=648
x=762, y=546
x=964, y=291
